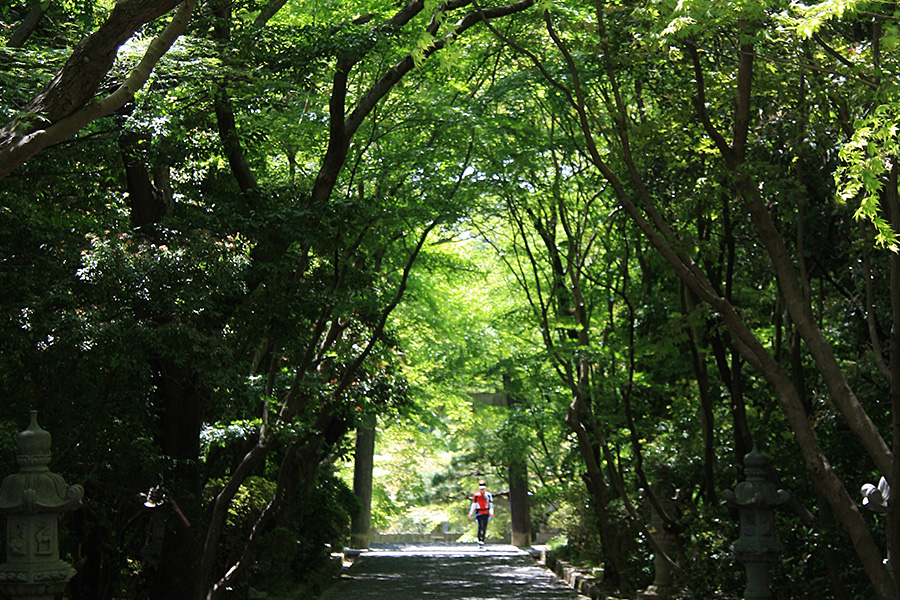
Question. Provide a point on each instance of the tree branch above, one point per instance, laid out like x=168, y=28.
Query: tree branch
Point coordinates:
x=700, y=105
x=69, y=113
x=21, y=33
x=343, y=129
x=842, y=59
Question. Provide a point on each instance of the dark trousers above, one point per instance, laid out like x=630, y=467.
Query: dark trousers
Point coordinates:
x=482, y=525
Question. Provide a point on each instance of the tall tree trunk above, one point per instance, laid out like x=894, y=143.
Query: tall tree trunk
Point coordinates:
x=519, y=503
x=519, y=509
x=179, y=439
x=363, y=463
x=178, y=400
x=729, y=363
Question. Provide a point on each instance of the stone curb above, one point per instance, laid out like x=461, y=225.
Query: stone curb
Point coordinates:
x=580, y=580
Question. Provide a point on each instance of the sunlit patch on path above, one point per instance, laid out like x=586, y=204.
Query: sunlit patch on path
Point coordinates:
x=448, y=572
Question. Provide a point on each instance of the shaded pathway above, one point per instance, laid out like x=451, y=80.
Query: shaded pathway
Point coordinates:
x=448, y=572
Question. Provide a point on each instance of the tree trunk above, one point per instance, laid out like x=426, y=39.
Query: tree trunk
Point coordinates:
x=695, y=341
x=612, y=535
x=148, y=203
x=363, y=463
x=178, y=401
x=519, y=509
x=21, y=33
x=519, y=502
x=893, y=521
x=730, y=371
x=66, y=103
x=176, y=576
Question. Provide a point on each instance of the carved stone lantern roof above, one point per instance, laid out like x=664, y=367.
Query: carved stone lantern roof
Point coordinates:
x=35, y=489
x=32, y=501
x=756, y=491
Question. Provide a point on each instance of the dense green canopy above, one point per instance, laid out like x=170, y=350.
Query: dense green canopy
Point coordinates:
x=231, y=232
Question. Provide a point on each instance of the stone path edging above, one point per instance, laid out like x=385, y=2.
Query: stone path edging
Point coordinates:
x=581, y=581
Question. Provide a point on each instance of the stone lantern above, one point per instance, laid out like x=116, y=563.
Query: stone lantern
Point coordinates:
x=667, y=497
x=756, y=500
x=32, y=501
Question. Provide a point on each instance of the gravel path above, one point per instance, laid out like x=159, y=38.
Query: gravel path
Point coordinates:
x=448, y=572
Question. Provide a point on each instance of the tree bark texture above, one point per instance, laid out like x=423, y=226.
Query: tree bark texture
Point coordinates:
x=617, y=572
x=80, y=78
x=148, y=202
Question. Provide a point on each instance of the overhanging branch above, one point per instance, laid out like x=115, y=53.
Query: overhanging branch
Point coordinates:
x=16, y=147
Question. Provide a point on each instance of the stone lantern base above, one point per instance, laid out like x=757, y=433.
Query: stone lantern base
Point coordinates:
x=22, y=582
x=656, y=593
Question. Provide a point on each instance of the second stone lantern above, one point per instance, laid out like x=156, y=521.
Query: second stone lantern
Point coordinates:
x=757, y=500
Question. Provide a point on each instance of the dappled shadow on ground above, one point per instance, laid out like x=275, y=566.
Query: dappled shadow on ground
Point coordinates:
x=447, y=572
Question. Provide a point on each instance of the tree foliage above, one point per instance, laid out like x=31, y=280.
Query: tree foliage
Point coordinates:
x=229, y=231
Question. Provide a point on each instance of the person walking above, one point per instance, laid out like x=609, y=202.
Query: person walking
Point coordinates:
x=482, y=509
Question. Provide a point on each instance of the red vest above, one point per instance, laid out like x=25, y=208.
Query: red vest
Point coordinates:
x=482, y=502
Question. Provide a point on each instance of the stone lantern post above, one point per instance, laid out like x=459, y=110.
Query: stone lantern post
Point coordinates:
x=757, y=500
x=32, y=501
